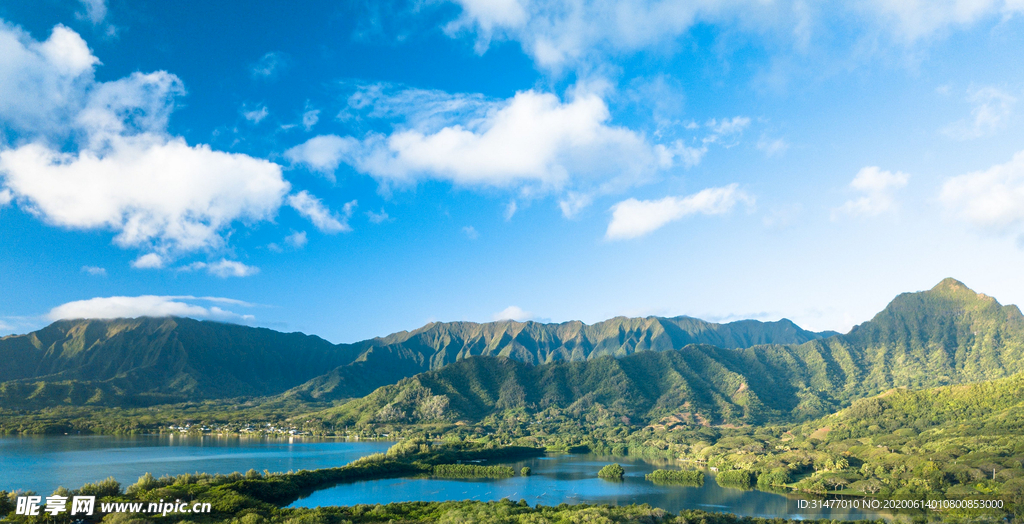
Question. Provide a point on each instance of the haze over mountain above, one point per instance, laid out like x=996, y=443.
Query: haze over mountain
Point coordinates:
x=740, y=371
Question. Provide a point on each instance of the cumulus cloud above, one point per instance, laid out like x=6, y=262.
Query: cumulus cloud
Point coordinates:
x=155, y=192
x=471, y=232
x=147, y=306
x=5, y=197
x=992, y=199
x=43, y=83
x=126, y=173
x=992, y=107
x=878, y=190
x=316, y=212
x=634, y=218
x=322, y=154
x=149, y=261
x=513, y=313
x=534, y=142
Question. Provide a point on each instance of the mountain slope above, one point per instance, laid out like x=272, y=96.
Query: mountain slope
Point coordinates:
x=146, y=360
x=946, y=335
x=438, y=344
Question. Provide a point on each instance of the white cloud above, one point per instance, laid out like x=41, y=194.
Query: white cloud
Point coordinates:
x=728, y=126
x=322, y=154
x=513, y=313
x=149, y=261
x=43, y=83
x=535, y=143
x=878, y=189
x=916, y=19
x=992, y=108
x=635, y=218
x=297, y=239
x=96, y=14
x=558, y=34
x=230, y=268
x=269, y=65
x=510, y=210
x=5, y=197
x=222, y=268
x=155, y=192
x=378, y=218
x=94, y=271
x=95, y=10
x=425, y=109
x=126, y=174
x=572, y=203
x=256, y=115
x=992, y=199
x=471, y=232
x=533, y=138
x=146, y=306
x=310, y=118
x=316, y=212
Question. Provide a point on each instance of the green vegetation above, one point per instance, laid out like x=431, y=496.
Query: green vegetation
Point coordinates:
x=142, y=362
x=526, y=471
x=735, y=479
x=472, y=471
x=671, y=476
x=897, y=408
x=611, y=472
x=505, y=511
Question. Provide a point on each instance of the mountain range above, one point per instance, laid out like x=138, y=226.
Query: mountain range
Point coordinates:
x=651, y=369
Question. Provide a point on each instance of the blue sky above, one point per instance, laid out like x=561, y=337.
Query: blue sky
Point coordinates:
x=351, y=169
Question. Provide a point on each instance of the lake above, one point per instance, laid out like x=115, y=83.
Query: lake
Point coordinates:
x=42, y=463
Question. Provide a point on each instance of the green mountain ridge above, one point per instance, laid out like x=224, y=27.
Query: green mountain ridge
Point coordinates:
x=947, y=335
x=144, y=361
x=154, y=360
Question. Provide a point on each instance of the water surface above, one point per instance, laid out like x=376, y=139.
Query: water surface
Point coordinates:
x=41, y=463
x=573, y=479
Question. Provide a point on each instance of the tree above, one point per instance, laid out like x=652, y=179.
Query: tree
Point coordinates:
x=612, y=472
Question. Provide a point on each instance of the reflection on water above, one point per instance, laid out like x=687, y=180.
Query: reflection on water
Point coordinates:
x=573, y=479
x=42, y=463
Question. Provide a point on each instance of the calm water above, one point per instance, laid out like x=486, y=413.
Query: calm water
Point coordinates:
x=42, y=463
x=573, y=479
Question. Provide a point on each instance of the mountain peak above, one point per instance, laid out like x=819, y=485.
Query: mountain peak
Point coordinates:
x=951, y=284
